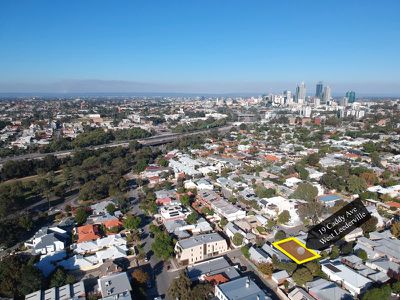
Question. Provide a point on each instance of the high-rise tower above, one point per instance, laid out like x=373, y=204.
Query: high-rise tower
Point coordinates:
x=319, y=89
x=351, y=95
x=326, y=94
x=301, y=93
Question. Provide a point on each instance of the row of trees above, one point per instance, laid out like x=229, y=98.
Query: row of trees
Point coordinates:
x=182, y=288
x=199, y=125
x=94, y=137
x=19, y=277
x=22, y=168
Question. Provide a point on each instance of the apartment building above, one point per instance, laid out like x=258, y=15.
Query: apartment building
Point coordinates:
x=198, y=248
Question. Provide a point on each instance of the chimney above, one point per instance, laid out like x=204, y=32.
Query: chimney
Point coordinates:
x=247, y=282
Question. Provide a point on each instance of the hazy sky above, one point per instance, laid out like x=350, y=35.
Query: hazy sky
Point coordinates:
x=209, y=46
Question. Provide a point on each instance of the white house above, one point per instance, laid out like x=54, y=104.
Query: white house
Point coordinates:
x=349, y=279
x=47, y=240
x=275, y=205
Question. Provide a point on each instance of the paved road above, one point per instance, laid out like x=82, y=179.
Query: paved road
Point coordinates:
x=161, y=278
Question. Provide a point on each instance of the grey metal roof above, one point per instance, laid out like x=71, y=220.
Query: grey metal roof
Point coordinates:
x=47, y=240
x=385, y=264
x=271, y=252
x=212, y=267
x=296, y=293
x=327, y=290
x=242, y=288
x=114, y=284
x=68, y=291
x=200, y=240
x=374, y=275
x=258, y=255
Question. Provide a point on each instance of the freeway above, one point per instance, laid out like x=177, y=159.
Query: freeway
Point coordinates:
x=150, y=141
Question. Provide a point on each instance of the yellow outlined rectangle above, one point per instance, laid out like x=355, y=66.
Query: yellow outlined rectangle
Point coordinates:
x=299, y=262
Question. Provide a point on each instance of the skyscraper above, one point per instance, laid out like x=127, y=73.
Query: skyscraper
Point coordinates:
x=301, y=93
x=351, y=95
x=318, y=90
x=326, y=96
x=288, y=97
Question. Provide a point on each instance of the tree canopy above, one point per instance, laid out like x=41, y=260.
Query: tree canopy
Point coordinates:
x=237, y=239
x=81, y=215
x=284, y=217
x=132, y=222
x=162, y=246
x=305, y=191
x=19, y=276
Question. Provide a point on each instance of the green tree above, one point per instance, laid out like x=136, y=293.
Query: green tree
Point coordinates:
x=25, y=221
x=395, y=229
x=356, y=184
x=370, y=147
x=60, y=277
x=375, y=159
x=312, y=159
x=162, y=246
x=279, y=235
x=265, y=268
x=140, y=276
x=237, y=239
x=305, y=191
x=180, y=288
x=81, y=215
x=19, y=276
x=335, y=252
x=262, y=192
x=370, y=225
x=382, y=293
x=223, y=222
x=284, y=217
x=245, y=251
x=347, y=248
x=163, y=162
x=154, y=229
x=362, y=254
x=132, y=222
x=314, y=267
x=302, y=275
x=303, y=173
x=111, y=208
x=202, y=291
x=45, y=185
x=396, y=287
x=185, y=200
x=207, y=211
x=192, y=218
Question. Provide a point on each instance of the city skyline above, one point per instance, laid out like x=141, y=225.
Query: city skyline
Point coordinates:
x=205, y=48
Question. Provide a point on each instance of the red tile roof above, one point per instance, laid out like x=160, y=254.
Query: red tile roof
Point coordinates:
x=216, y=279
x=112, y=223
x=88, y=233
x=393, y=204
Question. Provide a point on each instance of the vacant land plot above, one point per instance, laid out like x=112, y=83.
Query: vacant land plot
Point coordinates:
x=296, y=250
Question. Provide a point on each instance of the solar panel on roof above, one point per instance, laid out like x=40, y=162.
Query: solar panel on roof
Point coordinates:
x=332, y=268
